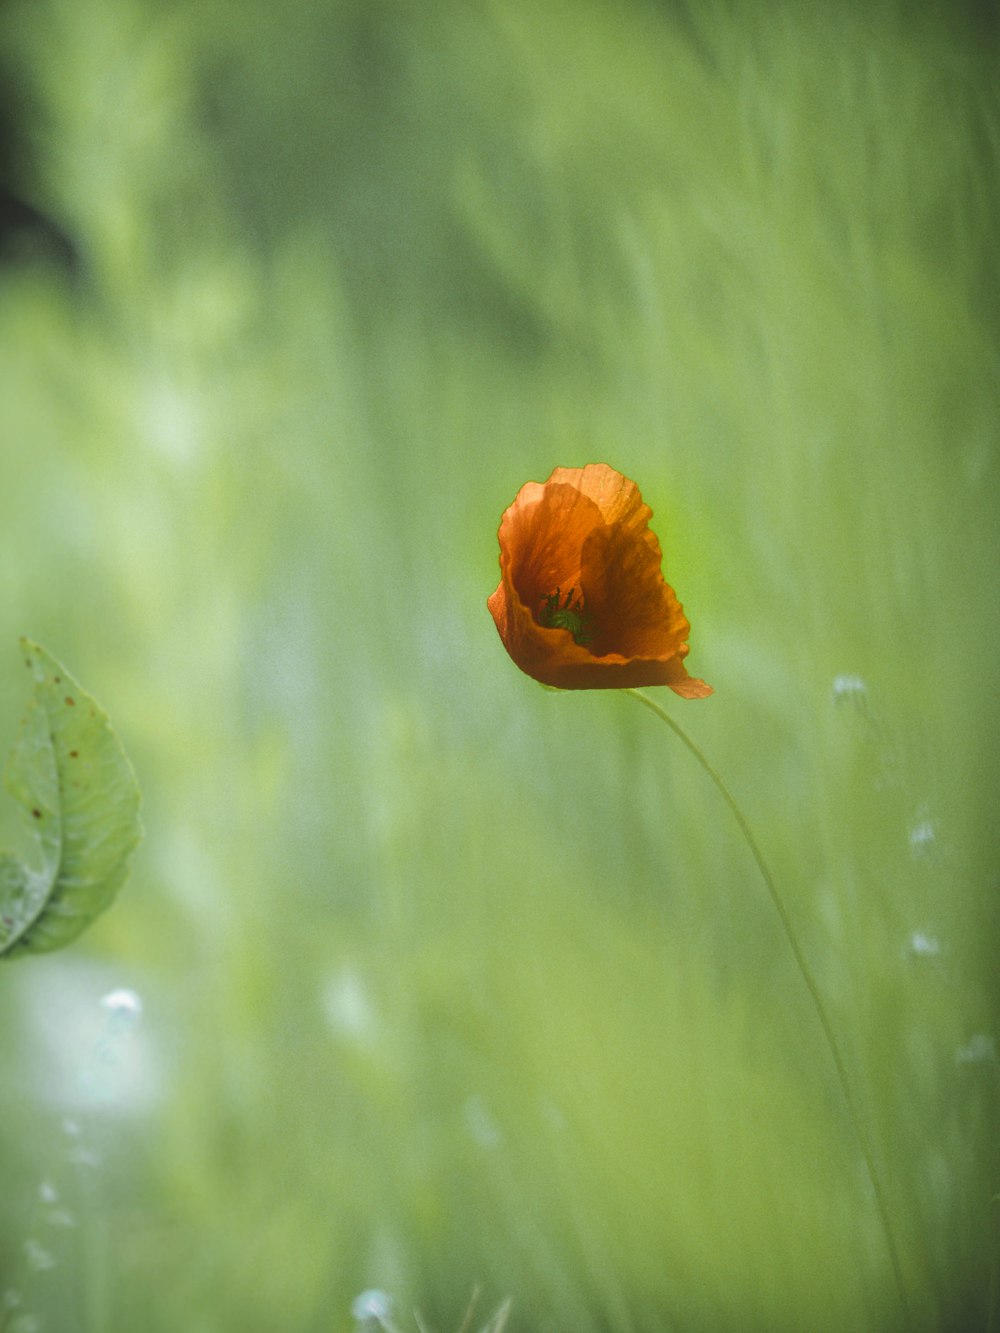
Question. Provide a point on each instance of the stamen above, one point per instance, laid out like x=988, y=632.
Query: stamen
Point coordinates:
x=565, y=611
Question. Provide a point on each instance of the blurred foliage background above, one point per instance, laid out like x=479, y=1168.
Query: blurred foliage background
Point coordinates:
x=447, y=980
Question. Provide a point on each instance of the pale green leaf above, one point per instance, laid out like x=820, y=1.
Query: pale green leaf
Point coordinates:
x=79, y=799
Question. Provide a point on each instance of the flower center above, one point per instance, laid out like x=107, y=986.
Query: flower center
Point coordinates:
x=565, y=611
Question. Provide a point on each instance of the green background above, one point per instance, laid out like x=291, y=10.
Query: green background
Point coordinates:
x=448, y=980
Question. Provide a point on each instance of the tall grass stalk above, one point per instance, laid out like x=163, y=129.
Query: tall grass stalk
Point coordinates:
x=810, y=983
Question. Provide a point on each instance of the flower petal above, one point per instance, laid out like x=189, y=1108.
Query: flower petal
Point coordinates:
x=632, y=609
x=617, y=498
x=541, y=539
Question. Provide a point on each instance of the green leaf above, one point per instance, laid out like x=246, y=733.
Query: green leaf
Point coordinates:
x=80, y=802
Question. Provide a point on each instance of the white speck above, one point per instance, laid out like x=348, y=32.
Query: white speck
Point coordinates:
x=71, y=1128
x=81, y=1156
x=925, y=946
x=24, y=1323
x=47, y=1192
x=372, y=1304
x=59, y=1217
x=37, y=1256
x=171, y=424
x=10, y=1299
x=552, y=1114
x=977, y=1050
x=922, y=834
x=348, y=1007
x=123, y=1004
x=91, y=1008
x=482, y=1127
x=849, y=687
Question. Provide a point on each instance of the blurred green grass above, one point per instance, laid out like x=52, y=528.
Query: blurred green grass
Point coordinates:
x=448, y=980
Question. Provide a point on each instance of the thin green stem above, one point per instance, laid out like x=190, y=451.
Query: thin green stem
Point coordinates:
x=991, y=1308
x=807, y=977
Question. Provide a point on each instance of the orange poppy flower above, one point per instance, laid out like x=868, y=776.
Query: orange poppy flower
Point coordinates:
x=582, y=602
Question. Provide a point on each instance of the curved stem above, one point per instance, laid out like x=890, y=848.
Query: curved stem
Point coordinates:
x=807, y=977
x=991, y=1308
